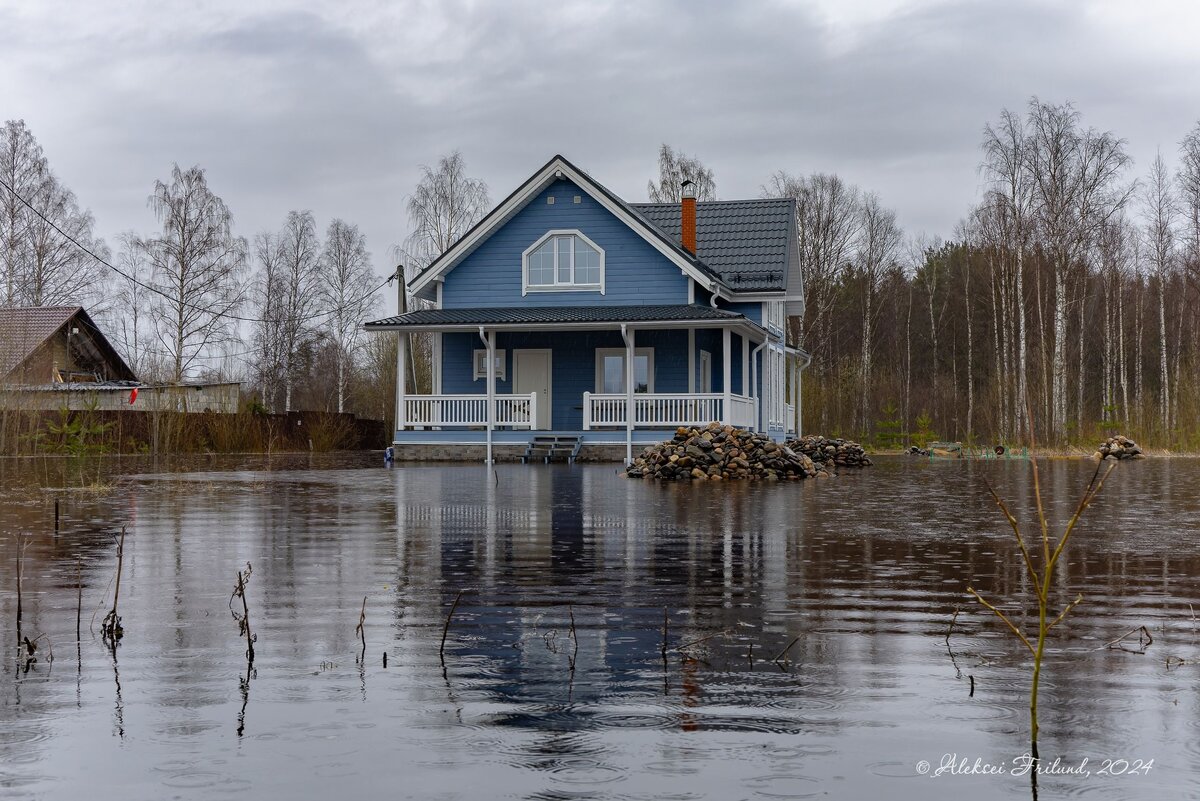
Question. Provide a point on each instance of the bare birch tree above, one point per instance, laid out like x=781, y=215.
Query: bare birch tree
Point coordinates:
x=299, y=288
x=22, y=166
x=444, y=206
x=130, y=313
x=878, y=244
x=828, y=225
x=38, y=218
x=57, y=272
x=673, y=169
x=1158, y=236
x=1005, y=147
x=1188, y=178
x=268, y=334
x=197, y=266
x=346, y=284
x=1075, y=175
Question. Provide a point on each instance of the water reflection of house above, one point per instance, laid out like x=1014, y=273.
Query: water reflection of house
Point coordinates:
x=54, y=357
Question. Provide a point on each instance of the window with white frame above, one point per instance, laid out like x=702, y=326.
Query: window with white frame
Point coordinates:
x=563, y=261
x=774, y=309
x=481, y=365
x=610, y=370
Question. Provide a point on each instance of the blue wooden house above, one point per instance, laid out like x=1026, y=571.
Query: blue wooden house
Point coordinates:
x=569, y=315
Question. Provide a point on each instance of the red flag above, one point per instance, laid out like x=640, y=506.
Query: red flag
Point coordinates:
x=133, y=396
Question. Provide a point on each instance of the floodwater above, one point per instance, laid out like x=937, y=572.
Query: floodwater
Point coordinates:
x=859, y=574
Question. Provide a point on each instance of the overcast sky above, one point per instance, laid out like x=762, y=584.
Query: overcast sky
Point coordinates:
x=334, y=106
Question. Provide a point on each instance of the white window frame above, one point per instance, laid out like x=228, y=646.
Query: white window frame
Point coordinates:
x=558, y=286
x=601, y=353
x=773, y=315
x=480, y=363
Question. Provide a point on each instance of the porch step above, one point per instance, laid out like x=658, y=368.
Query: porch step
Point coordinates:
x=547, y=448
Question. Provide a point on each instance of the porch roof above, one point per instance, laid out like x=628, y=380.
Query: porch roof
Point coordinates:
x=686, y=315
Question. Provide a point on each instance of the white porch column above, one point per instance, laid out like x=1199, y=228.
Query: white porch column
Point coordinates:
x=401, y=377
x=628, y=335
x=745, y=365
x=489, y=341
x=691, y=357
x=727, y=369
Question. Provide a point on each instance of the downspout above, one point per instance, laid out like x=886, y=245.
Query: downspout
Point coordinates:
x=754, y=385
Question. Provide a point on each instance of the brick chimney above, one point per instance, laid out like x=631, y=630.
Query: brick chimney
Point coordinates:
x=688, y=234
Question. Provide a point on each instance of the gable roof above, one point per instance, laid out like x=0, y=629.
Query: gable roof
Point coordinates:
x=24, y=329
x=555, y=168
x=746, y=243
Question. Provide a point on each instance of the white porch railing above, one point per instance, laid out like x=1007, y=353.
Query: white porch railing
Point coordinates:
x=790, y=421
x=463, y=411
x=667, y=410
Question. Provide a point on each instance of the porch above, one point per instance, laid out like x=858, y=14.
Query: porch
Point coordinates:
x=616, y=374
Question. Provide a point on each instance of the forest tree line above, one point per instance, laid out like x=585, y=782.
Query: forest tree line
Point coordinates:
x=1063, y=307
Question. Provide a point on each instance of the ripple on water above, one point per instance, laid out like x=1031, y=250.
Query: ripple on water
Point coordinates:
x=193, y=780
x=892, y=769
x=579, y=770
x=784, y=786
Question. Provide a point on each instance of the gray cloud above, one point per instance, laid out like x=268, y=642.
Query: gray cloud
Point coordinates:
x=334, y=107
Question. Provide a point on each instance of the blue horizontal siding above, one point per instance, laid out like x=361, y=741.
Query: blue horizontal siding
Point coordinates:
x=635, y=273
x=752, y=310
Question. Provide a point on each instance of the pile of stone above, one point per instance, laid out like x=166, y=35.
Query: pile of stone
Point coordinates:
x=831, y=452
x=1119, y=447
x=721, y=453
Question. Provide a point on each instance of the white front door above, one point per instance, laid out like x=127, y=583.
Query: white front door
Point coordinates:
x=532, y=368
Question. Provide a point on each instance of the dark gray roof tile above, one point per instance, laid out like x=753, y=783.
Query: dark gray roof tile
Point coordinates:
x=744, y=242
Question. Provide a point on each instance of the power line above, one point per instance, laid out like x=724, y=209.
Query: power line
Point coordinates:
x=155, y=290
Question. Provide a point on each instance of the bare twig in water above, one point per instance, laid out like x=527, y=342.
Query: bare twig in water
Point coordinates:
x=574, y=639
x=78, y=598
x=21, y=546
x=950, y=628
x=779, y=657
x=110, y=628
x=706, y=638
x=362, y=635
x=1145, y=640
x=446, y=627
x=243, y=618
x=1193, y=611
x=664, y=636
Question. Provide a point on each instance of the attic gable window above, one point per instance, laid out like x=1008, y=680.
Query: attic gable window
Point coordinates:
x=563, y=261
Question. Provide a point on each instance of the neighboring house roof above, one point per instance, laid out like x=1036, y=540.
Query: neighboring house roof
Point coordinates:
x=606, y=315
x=745, y=242
x=555, y=168
x=24, y=329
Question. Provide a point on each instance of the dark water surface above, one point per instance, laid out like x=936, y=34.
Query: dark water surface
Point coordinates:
x=862, y=573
